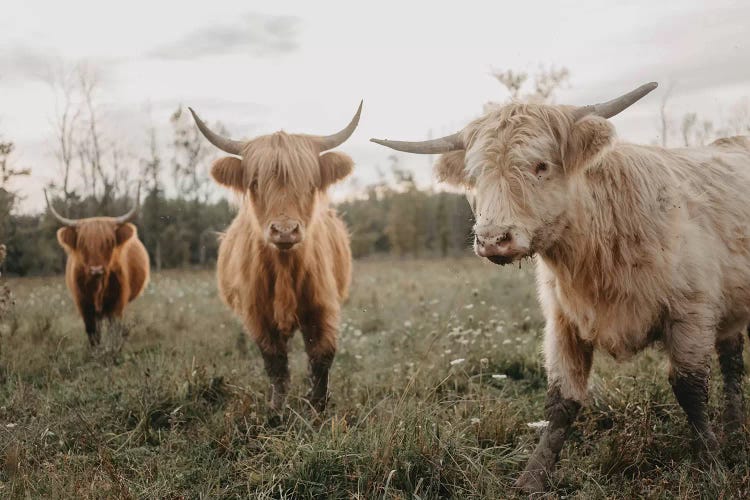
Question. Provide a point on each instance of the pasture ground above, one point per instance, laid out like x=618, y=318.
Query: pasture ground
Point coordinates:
x=437, y=376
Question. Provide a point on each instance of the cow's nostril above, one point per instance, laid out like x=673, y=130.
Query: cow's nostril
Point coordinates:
x=506, y=237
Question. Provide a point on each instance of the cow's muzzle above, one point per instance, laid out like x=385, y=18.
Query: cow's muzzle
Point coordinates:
x=285, y=235
x=499, y=245
x=96, y=270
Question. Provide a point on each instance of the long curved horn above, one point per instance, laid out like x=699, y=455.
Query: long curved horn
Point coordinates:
x=133, y=211
x=326, y=142
x=611, y=108
x=63, y=220
x=445, y=144
x=225, y=144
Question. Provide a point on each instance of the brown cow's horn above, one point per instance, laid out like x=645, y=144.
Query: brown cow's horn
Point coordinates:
x=63, y=220
x=331, y=141
x=225, y=144
x=446, y=144
x=133, y=211
x=611, y=108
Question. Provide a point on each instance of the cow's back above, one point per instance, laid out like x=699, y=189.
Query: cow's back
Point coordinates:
x=341, y=254
x=135, y=266
x=737, y=141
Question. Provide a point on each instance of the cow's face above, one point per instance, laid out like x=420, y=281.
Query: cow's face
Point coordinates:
x=520, y=164
x=94, y=244
x=282, y=177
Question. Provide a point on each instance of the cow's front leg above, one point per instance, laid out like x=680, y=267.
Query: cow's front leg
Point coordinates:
x=729, y=348
x=689, y=343
x=568, y=364
x=320, y=334
x=93, y=328
x=274, y=350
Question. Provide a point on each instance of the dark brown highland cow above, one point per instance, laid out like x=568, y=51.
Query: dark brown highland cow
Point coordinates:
x=107, y=267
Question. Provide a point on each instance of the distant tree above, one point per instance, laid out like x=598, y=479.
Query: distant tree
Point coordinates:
x=545, y=83
x=738, y=122
x=151, y=213
x=6, y=299
x=442, y=223
x=512, y=80
x=689, y=120
x=664, y=121
x=93, y=165
x=66, y=122
x=190, y=160
x=8, y=197
x=401, y=228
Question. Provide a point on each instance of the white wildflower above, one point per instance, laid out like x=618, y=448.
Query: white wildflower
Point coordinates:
x=541, y=424
x=457, y=361
x=499, y=376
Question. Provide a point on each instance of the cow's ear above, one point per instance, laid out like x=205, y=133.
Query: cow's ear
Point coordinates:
x=334, y=166
x=450, y=168
x=228, y=171
x=67, y=237
x=589, y=138
x=124, y=232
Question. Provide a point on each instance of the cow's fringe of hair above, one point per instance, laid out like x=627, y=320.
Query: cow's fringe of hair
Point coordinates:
x=291, y=159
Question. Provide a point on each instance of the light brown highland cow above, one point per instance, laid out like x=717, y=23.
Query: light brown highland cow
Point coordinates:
x=632, y=244
x=284, y=263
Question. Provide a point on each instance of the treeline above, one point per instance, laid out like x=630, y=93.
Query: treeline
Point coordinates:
x=404, y=221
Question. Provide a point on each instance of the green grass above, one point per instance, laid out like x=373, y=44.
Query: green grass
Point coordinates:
x=180, y=410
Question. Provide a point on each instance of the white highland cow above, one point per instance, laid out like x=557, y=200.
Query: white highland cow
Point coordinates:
x=632, y=244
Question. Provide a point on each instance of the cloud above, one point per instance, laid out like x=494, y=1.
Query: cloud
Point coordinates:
x=257, y=34
x=24, y=62
x=696, y=51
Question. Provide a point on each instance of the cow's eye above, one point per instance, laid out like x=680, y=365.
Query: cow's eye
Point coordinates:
x=541, y=167
x=254, y=186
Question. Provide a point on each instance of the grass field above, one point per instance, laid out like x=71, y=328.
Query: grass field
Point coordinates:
x=437, y=377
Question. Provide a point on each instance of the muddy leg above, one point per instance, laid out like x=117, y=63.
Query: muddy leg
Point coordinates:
x=320, y=344
x=319, y=368
x=92, y=329
x=733, y=371
x=277, y=367
x=568, y=362
x=689, y=342
x=691, y=391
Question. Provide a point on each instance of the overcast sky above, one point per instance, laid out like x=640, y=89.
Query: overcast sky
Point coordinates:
x=303, y=66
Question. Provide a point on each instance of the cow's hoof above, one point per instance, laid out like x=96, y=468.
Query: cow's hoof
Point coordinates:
x=707, y=448
x=532, y=481
x=274, y=421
